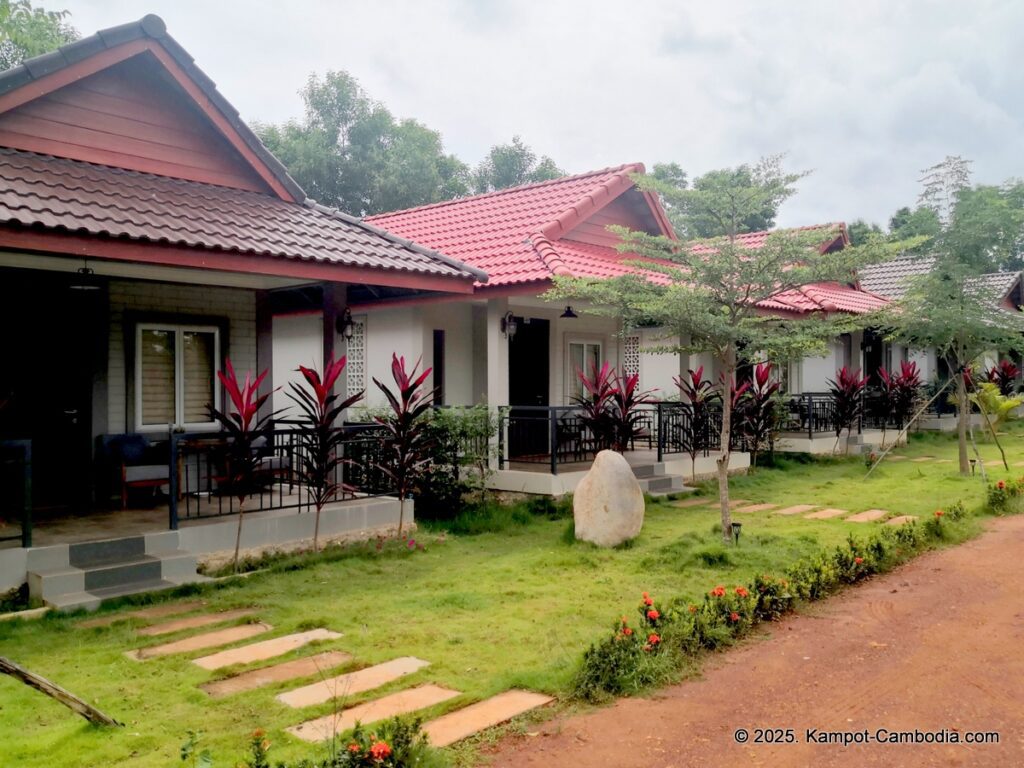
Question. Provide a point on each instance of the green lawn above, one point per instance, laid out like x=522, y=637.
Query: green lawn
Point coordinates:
x=489, y=612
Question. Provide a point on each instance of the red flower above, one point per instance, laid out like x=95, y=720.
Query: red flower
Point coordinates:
x=858, y=560
x=1001, y=485
x=648, y=601
x=380, y=750
x=353, y=747
x=627, y=631
x=718, y=591
x=742, y=592
x=653, y=615
x=939, y=513
x=653, y=639
x=645, y=595
x=693, y=609
x=734, y=616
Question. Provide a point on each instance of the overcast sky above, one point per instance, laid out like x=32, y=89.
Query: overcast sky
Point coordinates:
x=865, y=94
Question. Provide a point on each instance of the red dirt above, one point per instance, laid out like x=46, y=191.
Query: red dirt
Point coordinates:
x=936, y=644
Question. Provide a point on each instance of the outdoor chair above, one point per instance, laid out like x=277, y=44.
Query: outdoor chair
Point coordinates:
x=138, y=463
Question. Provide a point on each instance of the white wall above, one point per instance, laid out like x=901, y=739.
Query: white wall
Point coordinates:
x=658, y=371
x=815, y=372
x=456, y=320
x=297, y=340
x=171, y=300
x=398, y=330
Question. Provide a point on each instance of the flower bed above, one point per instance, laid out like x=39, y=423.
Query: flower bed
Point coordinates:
x=670, y=635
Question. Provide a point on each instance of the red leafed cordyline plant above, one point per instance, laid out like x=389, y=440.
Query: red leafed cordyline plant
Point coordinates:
x=408, y=444
x=848, y=401
x=321, y=439
x=756, y=406
x=244, y=426
x=900, y=392
x=1004, y=375
x=701, y=393
x=611, y=406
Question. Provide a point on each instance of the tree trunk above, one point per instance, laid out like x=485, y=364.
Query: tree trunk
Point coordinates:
x=963, y=414
x=723, y=459
x=238, y=534
x=54, y=691
x=316, y=530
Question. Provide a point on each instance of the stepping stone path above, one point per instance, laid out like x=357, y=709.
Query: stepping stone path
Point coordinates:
x=266, y=649
x=701, y=501
x=901, y=520
x=400, y=703
x=756, y=508
x=895, y=457
x=797, y=509
x=868, y=516
x=195, y=622
x=352, y=683
x=156, y=612
x=278, y=673
x=733, y=503
x=825, y=514
x=200, y=642
x=921, y=459
x=464, y=722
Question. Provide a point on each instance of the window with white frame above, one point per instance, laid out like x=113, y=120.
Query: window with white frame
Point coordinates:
x=176, y=375
x=582, y=356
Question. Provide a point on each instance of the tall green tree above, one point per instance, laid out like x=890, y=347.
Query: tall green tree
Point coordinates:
x=860, y=231
x=706, y=299
x=27, y=30
x=349, y=151
x=512, y=164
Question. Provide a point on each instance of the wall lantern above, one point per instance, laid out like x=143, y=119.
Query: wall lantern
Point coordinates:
x=569, y=314
x=344, y=324
x=509, y=326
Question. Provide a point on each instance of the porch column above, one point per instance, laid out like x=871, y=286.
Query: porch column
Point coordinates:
x=265, y=345
x=497, y=362
x=335, y=300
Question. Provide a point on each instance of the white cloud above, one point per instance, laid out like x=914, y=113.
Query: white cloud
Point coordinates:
x=864, y=92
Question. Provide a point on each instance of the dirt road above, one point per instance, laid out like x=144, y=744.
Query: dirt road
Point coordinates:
x=936, y=646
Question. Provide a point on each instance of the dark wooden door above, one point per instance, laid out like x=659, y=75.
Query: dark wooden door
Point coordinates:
x=529, y=370
x=48, y=332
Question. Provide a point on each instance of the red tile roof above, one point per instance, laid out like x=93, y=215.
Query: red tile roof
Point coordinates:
x=825, y=297
x=514, y=234
x=73, y=197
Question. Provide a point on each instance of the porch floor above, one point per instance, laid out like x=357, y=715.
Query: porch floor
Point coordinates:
x=638, y=458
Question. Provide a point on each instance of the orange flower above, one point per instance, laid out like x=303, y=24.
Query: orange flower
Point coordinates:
x=858, y=560
x=1001, y=485
x=380, y=750
x=653, y=615
x=627, y=631
x=353, y=747
x=693, y=609
x=645, y=595
x=718, y=591
x=734, y=616
x=259, y=733
x=648, y=601
x=742, y=592
x=939, y=513
x=653, y=639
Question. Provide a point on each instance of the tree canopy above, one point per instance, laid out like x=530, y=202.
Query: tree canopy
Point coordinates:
x=27, y=31
x=512, y=164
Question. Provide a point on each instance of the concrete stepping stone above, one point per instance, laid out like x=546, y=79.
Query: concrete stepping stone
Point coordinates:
x=401, y=703
x=700, y=501
x=756, y=508
x=353, y=682
x=195, y=622
x=266, y=649
x=921, y=459
x=156, y=612
x=733, y=503
x=895, y=457
x=1014, y=464
x=867, y=516
x=279, y=673
x=948, y=461
x=457, y=725
x=901, y=520
x=201, y=642
x=825, y=514
x=797, y=509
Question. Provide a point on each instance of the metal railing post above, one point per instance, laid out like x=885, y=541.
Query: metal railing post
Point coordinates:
x=501, y=437
x=553, y=437
x=810, y=416
x=26, y=518
x=659, y=424
x=172, y=483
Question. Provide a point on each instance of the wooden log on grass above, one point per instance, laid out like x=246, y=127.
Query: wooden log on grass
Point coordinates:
x=54, y=691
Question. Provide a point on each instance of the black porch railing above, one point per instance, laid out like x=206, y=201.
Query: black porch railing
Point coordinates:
x=199, y=472
x=814, y=413
x=16, y=488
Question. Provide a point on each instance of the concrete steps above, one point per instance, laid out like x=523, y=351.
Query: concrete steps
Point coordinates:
x=83, y=575
x=655, y=481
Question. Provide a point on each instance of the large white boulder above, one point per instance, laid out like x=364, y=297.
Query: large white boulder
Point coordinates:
x=608, y=505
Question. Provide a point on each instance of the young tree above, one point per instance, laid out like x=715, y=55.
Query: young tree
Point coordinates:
x=958, y=315
x=509, y=165
x=27, y=31
x=705, y=295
